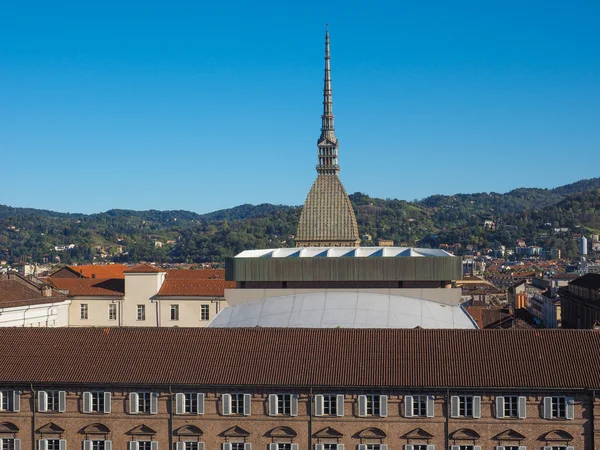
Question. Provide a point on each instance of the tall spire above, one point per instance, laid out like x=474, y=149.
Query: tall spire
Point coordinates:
x=328, y=143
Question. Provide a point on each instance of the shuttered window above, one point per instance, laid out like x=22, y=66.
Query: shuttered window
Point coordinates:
x=10, y=444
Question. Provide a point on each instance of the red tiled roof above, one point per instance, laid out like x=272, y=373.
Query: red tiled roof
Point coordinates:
x=99, y=271
x=143, y=268
x=14, y=294
x=114, y=287
x=280, y=357
x=195, y=287
x=200, y=274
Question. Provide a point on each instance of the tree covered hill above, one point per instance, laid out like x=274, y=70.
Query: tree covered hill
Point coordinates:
x=181, y=236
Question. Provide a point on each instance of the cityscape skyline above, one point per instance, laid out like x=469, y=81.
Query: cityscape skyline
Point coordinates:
x=124, y=115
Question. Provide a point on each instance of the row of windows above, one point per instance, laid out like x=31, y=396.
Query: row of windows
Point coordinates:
x=508, y=406
x=141, y=312
x=61, y=444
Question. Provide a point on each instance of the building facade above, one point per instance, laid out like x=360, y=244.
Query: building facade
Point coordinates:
x=408, y=389
x=580, y=302
x=143, y=296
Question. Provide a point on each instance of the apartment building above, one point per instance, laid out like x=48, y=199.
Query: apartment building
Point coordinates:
x=292, y=389
x=141, y=296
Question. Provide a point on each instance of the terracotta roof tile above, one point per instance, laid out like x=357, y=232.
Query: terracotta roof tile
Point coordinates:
x=199, y=274
x=278, y=357
x=14, y=294
x=143, y=268
x=99, y=271
x=195, y=287
x=114, y=287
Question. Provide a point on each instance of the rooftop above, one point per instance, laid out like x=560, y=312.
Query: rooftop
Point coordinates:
x=343, y=309
x=275, y=357
x=113, y=287
x=344, y=252
x=589, y=280
x=16, y=291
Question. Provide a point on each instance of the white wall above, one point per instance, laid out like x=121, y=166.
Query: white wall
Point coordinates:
x=42, y=315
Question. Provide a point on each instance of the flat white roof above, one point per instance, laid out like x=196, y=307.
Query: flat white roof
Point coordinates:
x=343, y=252
x=343, y=309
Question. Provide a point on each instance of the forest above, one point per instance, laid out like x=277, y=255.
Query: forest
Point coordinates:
x=536, y=215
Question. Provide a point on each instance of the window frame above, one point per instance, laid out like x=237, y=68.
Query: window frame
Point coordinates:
x=284, y=404
x=204, y=312
x=174, y=312
x=141, y=313
x=112, y=311
x=84, y=311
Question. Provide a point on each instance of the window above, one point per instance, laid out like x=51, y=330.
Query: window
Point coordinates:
x=465, y=406
x=284, y=446
x=9, y=444
x=284, y=404
x=174, y=312
x=191, y=403
x=144, y=399
x=83, y=311
x=53, y=444
x=511, y=406
x=419, y=447
x=52, y=401
x=191, y=445
x=97, y=401
x=10, y=400
x=419, y=406
x=372, y=446
x=144, y=445
x=330, y=447
x=373, y=405
x=98, y=445
x=559, y=407
x=141, y=312
x=237, y=404
x=237, y=446
x=329, y=405
x=204, y=312
x=112, y=311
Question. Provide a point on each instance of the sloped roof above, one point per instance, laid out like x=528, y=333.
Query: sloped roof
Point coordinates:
x=276, y=357
x=143, y=268
x=197, y=274
x=589, y=280
x=327, y=215
x=15, y=294
x=195, y=287
x=343, y=309
x=113, y=287
x=99, y=271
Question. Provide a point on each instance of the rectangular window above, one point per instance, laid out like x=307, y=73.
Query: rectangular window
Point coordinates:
x=465, y=406
x=141, y=312
x=511, y=408
x=53, y=444
x=83, y=311
x=373, y=405
x=237, y=446
x=284, y=446
x=466, y=447
x=8, y=444
x=97, y=445
x=174, y=312
x=98, y=406
x=329, y=405
x=144, y=404
x=52, y=402
x=330, y=446
x=145, y=445
x=511, y=447
x=237, y=404
x=204, y=312
x=284, y=404
x=112, y=311
x=191, y=403
x=373, y=446
x=7, y=400
x=419, y=406
x=419, y=446
x=191, y=446
x=559, y=407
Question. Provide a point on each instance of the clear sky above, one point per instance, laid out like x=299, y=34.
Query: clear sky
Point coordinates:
x=207, y=105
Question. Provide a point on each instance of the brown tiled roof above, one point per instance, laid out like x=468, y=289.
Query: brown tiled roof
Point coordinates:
x=271, y=357
x=199, y=274
x=97, y=271
x=14, y=294
x=114, y=287
x=195, y=287
x=143, y=268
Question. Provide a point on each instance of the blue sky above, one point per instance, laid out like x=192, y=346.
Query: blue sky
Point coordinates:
x=203, y=106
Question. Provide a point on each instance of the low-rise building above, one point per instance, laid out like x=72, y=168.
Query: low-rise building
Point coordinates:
x=581, y=302
x=24, y=303
x=292, y=389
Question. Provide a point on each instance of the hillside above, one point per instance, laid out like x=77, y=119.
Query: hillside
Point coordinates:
x=129, y=236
